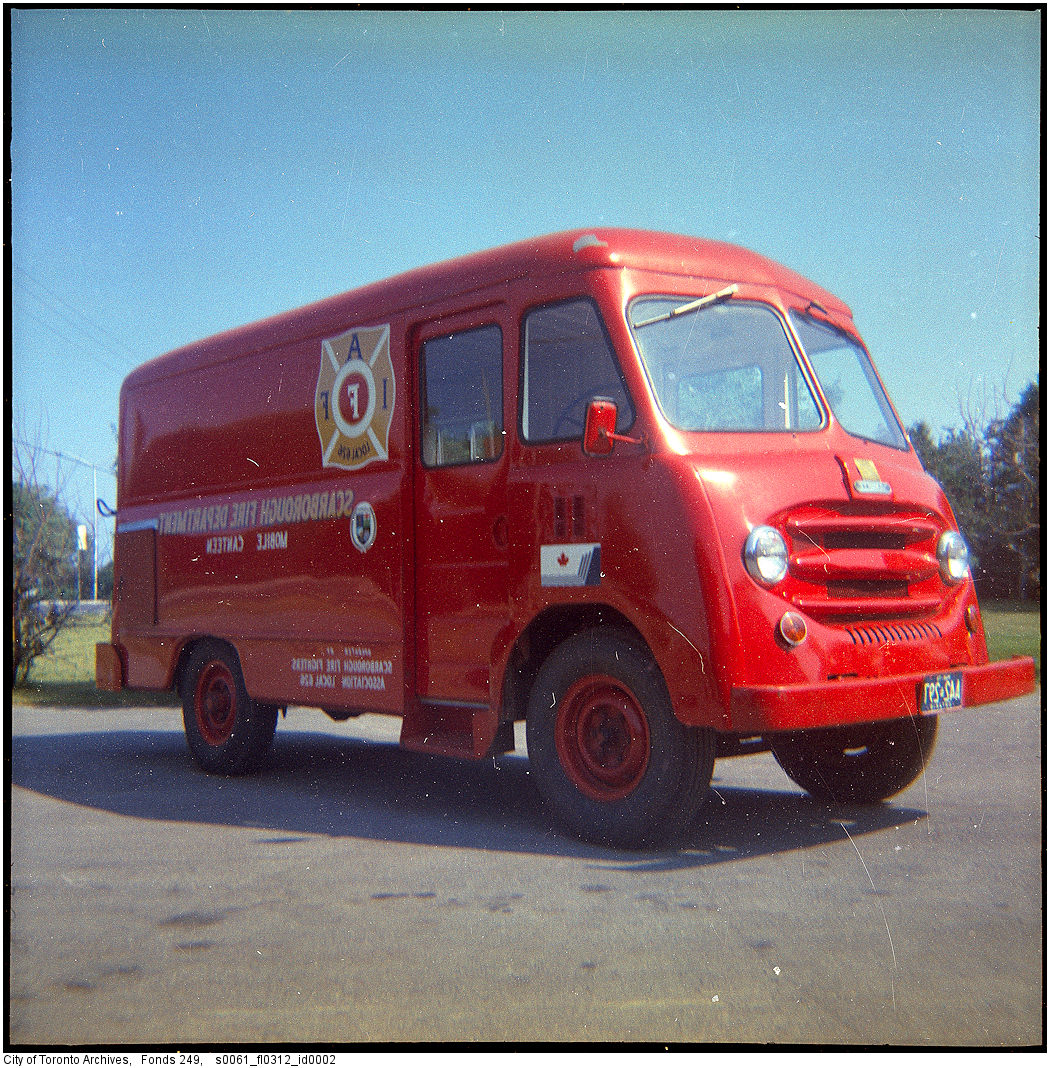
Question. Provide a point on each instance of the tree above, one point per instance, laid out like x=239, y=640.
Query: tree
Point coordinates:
x=991, y=477
x=105, y=581
x=958, y=462
x=43, y=550
x=1014, y=481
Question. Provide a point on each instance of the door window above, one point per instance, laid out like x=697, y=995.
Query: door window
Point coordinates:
x=462, y=376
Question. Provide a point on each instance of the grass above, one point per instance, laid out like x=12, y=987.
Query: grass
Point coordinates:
x=1013, y=629
x=66, y=676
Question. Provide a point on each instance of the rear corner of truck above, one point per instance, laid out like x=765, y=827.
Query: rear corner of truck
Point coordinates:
x=109, y=667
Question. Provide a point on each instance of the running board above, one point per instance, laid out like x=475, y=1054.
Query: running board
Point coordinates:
x=454, y=729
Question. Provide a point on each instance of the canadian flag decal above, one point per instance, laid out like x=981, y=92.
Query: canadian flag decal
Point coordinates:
x=571, y=565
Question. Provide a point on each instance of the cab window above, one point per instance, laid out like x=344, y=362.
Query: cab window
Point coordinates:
x=567, y=359
x=849, y=382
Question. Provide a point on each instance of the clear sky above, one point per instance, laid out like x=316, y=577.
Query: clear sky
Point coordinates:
x=179, y=172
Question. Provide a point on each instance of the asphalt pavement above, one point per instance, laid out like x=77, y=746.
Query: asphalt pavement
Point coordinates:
x=354, y=892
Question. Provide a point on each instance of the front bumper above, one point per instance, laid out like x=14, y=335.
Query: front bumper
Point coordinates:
x=758, y=709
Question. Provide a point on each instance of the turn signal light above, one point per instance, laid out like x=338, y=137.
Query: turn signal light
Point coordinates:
x=792, y=628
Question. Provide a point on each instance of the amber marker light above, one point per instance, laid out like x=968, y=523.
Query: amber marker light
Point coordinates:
x=973, y=618
x=792, y=628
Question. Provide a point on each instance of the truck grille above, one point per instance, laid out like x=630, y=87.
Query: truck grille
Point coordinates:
x=854, y=567
x=883, y=634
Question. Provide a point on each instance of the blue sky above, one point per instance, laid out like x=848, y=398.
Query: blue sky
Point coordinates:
x=175, y=173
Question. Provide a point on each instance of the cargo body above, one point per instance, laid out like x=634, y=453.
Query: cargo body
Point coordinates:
x=476, y=491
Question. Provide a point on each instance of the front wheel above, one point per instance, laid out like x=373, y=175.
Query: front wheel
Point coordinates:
x=857, y=765
x=228, y=733
x=608, y=754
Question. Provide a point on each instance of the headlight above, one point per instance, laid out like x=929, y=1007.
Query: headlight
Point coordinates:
x=953, y=556
x=766, y=555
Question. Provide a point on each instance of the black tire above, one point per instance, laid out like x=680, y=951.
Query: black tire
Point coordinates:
x=228, y=733
x=857, y=765
x=608, y=755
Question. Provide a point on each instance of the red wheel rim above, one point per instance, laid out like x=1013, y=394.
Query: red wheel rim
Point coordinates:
x=602, y=737
x=215, y=703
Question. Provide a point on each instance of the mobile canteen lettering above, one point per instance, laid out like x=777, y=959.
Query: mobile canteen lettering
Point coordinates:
x=354, y=399
x=225, y=543
x=272, y=539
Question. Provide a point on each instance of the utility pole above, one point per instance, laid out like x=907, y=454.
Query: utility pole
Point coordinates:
x=94, y=517
x=94, y=533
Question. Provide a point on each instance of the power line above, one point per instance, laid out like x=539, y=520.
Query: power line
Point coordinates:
x=92, y=329
x=62, y=455
x=108, y=337
x=59, y=333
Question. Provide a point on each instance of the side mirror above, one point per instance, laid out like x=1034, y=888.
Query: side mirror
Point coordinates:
x=598, y=427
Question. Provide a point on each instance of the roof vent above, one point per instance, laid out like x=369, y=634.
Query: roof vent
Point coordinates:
x=588, y=241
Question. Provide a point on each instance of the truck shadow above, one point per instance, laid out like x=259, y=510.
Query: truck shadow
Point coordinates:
x=320, y=784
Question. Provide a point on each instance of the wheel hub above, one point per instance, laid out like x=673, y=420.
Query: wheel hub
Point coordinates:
x=216, y=704
x=603, y=738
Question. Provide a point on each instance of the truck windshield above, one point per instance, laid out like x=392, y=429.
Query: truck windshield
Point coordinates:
x=848, y=381
x=722, y=365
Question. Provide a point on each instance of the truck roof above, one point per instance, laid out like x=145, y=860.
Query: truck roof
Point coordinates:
x=572, y=250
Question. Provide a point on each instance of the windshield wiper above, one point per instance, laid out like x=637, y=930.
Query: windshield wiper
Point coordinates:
x=692, y=306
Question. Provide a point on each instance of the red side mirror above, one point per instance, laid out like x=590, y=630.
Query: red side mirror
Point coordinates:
x=599, y=426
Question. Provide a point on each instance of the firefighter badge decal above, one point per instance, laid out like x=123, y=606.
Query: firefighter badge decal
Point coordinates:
x=363, y=527
x=354, y=400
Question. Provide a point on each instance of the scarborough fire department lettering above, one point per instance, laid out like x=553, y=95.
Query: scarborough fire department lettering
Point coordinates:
x=257, y=512
x=354, y=399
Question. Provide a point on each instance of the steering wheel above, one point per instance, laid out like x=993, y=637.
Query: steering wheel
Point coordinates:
x=574, y=420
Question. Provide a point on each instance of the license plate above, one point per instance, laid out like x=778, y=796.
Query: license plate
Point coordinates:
x=938, y=692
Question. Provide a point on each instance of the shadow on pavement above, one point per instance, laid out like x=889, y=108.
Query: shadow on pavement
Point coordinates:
x=319, y=784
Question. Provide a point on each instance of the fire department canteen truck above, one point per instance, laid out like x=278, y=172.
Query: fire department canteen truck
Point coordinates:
x=644, y=492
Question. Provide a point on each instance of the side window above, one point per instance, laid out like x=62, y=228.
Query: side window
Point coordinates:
x=462, y=403
x=567, y=360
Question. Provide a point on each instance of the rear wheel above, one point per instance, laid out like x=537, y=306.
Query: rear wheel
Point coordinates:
x=859, y=764
x=609, y=756
x=228, y=733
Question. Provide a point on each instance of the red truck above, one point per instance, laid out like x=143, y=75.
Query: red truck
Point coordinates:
x=644, y=492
